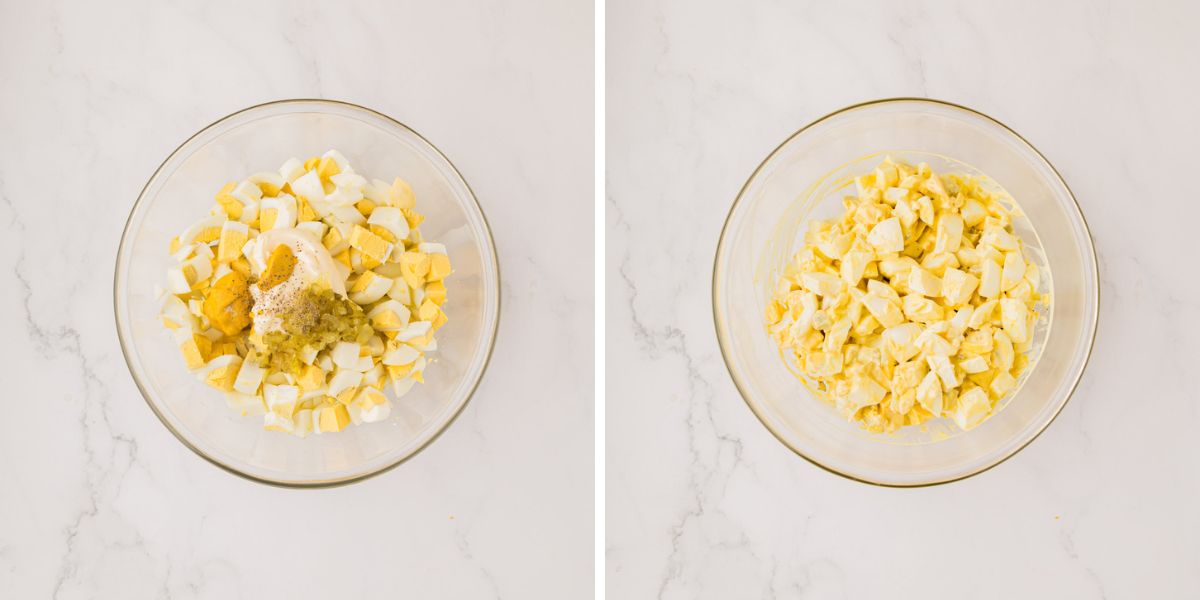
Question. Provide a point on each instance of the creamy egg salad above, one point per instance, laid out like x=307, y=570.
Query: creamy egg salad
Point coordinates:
x=305, y=292
x=919, y=302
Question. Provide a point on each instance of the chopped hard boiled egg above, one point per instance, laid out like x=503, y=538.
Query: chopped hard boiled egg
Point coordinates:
x=920, y=302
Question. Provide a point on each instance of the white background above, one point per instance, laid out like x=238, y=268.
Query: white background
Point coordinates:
x=97, y=499
x=702, y=501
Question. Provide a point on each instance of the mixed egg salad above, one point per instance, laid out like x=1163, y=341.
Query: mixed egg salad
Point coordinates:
x=920, y=302
x=305, y=292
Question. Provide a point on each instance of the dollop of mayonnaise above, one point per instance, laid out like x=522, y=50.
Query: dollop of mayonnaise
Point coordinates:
x=313, y=264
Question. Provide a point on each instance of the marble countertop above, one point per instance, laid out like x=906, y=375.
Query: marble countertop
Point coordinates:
x=97, y=499
x=703, y=503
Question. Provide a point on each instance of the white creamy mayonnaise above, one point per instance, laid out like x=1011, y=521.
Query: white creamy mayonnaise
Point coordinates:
x=313, y=264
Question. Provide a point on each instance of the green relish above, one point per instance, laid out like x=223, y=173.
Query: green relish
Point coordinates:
x=319, y=319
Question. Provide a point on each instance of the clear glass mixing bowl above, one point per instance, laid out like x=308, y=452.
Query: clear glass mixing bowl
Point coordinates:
x=796, y=183
x=260, y=138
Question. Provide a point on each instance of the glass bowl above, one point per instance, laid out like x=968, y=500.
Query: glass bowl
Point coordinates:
x=796, y=183
x=260, y=138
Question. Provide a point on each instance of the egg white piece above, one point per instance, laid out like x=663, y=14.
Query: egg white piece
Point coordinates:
x=349, y=180
x=342, y=163
x=391, y=219
x=189, y=235
x=433, y=248
x=309, y=187
x=376, y=413
x=286, y=211
x=291, y=169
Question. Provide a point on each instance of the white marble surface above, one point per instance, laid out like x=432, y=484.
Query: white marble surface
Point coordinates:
x=97, y=499
x=702, y=501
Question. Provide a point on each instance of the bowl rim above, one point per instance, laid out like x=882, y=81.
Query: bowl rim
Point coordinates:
x=316, y=483
x=721, y=326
